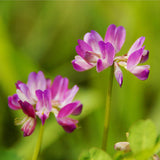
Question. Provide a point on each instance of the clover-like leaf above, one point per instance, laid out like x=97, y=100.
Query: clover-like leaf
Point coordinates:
x=142, y=136
x=94, y=154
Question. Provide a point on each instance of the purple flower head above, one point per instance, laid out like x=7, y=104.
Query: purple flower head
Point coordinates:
x=38, y=97
x=62, y=105
x=93, y=51
x=136, y=55
x=26, y=99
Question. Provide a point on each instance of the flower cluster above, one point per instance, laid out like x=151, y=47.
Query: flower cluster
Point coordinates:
x=39, y=97
x=94, y=51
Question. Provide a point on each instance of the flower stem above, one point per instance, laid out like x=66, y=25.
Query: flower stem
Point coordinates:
x=107, y=109
x=38, y=145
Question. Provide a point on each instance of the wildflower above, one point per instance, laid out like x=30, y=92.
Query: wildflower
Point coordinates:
x=38, y=98
x=136, y=54
x=93, y=51
x=62, y=105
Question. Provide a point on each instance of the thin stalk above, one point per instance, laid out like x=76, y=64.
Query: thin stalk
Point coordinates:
x=107, y=109
x=38, y=145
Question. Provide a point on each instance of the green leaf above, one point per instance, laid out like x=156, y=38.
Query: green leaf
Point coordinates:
x=94, y=154
x=142, y=136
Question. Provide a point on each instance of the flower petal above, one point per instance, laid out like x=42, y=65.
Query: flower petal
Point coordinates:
x=92, y=39
x=23, y=93
x=80, y=64
x=43, y=106
x=141, y=72
x=59, y=87
x=68, y=109
x=137, y=45
x=13, y=102
x=116, y=36
x=36, y=81
x=134, y=58
x=118, y=74
x=108, y=54
x=82, y=48
x=68, y=124
x=77, y=110
x=100, y=65
x=145, y=56
x=28, y=127
x=70, y=94
x=27, y=108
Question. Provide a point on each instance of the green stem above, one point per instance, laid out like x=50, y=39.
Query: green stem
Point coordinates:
x=107, y=109
x=38, y=145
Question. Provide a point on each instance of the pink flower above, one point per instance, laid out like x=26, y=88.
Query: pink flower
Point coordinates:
x=39, y=97
x=136, y=55
x=93, y=51
x=62, y=105
x=26, y=100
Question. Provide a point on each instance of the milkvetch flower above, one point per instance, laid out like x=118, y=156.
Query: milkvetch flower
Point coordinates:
x=38, y=98
x=62, y=105
x=136, y=55
x=94, y=51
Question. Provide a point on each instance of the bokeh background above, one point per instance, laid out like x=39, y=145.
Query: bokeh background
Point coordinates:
x=42, y=35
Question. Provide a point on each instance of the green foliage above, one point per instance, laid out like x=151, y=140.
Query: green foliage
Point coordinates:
x=94, y=154
x=142, y=139
x=143, y=144
x=142, y=136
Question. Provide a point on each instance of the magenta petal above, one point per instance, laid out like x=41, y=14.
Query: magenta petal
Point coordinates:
x=100, y=66
x=120, y=38
x=43, y=118
x=110, y=34
x=68, y=109
x=108, y=54
x=118, y=74
x=17, y=84
x=13, y=102
x=70, y=94
x=43, y=106
x=93, y=36
x=116, y=36
x=80, y=64
x=24, y=93
x=137, y=45
x=27, y=108
x=59, y=87
x=36, y=81
x=107, y=51
x=77, y=110
x=141, y=72
x=68, y=124
x=82, y=48
x=91, y=57
x=145, y=56
x=44, y=99
x=28, y=127
x=92, y=39
x=49, y=83
x=134, y=58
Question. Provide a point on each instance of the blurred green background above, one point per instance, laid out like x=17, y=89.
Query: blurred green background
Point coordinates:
x=42, y=35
